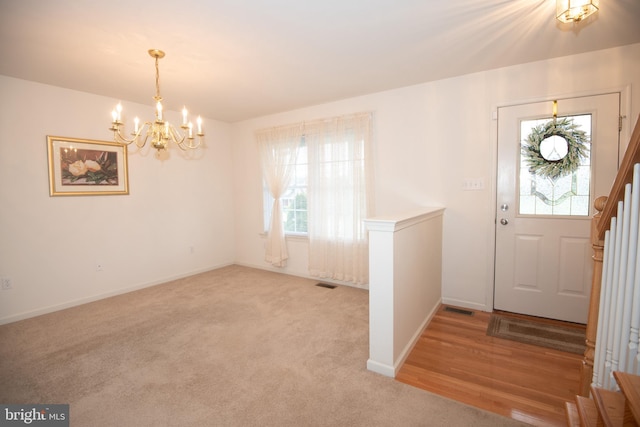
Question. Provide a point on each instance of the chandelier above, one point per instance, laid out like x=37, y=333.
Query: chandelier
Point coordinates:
x=575, y=10
x=160, y=131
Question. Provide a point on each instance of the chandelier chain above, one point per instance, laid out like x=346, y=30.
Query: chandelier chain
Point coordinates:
x=157, y=97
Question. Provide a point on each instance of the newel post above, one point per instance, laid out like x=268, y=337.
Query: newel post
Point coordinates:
x=586, y=372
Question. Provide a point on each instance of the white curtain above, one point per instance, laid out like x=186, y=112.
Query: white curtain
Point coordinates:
x=278, y=148
x=339, y=197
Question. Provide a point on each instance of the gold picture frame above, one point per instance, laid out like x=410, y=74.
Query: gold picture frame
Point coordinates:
x=86, y=167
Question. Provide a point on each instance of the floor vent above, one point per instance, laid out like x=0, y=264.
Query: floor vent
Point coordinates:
x=326, y=285
x=459, y=311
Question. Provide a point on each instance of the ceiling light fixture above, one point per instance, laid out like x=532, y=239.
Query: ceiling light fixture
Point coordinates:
x=159, y=130
x=575, y=10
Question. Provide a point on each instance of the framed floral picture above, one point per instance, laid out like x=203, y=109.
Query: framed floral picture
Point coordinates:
x=85, y=167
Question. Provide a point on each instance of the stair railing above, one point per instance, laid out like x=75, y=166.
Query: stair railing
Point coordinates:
x=614, y=309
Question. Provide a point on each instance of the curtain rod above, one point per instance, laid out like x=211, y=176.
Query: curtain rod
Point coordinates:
x=316, y=121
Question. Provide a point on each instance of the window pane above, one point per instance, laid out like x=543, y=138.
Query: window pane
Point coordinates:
x=295, y=213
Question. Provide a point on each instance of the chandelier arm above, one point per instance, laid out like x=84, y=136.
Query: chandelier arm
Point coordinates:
x=146, y=137
x=200, y=139
x=118, y=136
x=190, y=143
x=177, y=138
x=185, y=141
x=150, y=130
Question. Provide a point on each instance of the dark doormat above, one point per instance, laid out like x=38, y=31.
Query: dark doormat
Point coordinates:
x=542, y=334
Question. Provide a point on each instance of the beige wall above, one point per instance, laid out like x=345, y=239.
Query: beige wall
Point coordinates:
x=429, y=138
x=49, y=246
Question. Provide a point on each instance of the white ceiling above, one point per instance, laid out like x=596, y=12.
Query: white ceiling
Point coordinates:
x=236, y=59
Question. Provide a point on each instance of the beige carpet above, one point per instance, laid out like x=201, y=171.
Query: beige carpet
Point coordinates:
x=232, y=347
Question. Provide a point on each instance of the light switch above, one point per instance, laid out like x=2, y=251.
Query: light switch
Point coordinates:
x=473, y=184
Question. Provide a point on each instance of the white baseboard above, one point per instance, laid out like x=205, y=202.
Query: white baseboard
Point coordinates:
x=466, y=304
x=392, y=371
x=85, y=300
x=304, y=276
x=381, y=368
x=414, y=339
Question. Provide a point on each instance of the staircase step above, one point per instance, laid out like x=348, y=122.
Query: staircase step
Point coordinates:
x=573, y=418
x=610, y=405
x=587, y=412
x=630, y=388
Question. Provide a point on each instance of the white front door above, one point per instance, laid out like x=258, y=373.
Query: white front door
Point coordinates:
x=543, y=263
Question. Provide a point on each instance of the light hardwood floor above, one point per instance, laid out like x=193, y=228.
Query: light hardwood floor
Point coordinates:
x=455, y=358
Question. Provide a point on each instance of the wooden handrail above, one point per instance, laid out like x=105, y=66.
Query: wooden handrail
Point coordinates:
x=606, y=208
x=625, y=176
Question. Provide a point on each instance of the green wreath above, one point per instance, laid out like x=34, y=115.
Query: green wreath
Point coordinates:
x=577, y=149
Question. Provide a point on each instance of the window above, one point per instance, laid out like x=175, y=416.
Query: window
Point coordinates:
x=294, y=199
x=316, y=184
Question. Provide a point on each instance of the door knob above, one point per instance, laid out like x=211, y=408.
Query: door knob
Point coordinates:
x=504, y=221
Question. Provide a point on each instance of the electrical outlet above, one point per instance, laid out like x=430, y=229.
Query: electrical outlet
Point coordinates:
x=6, y=283
x=192, y=250
x=99, y=266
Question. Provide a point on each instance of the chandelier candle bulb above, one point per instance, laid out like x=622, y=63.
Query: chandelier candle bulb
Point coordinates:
x=184, y=116
x=199, y=125
x=190, y=130
x=136, y=125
